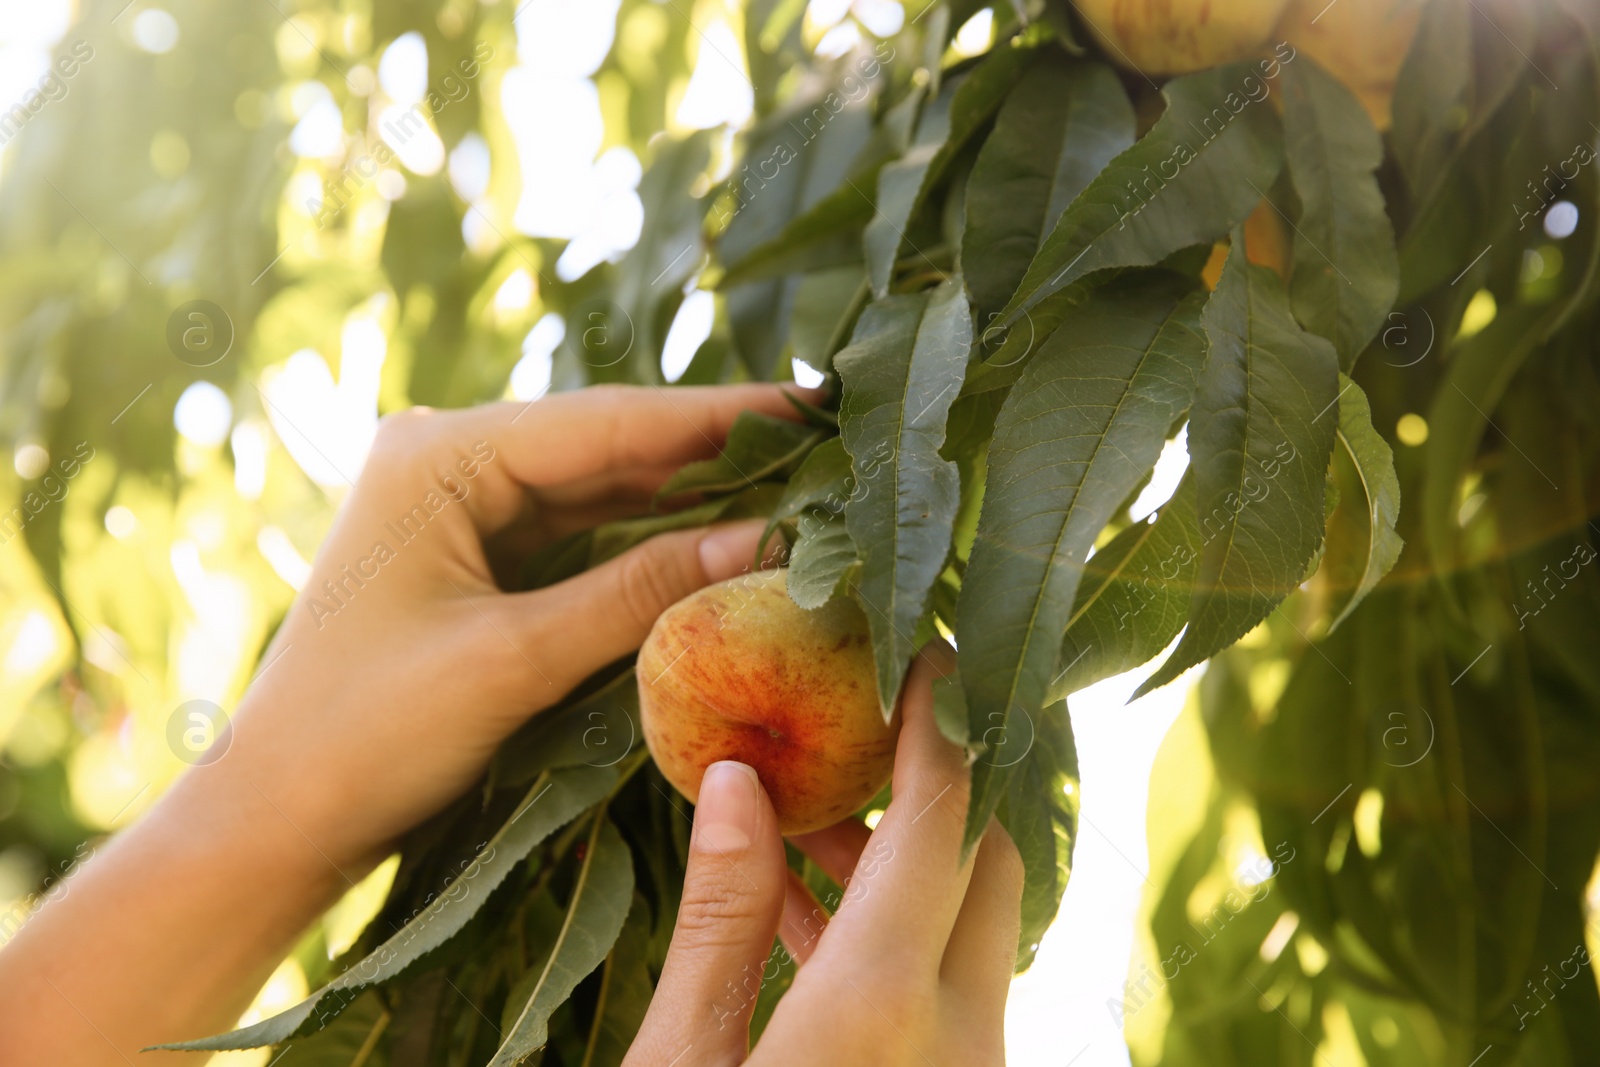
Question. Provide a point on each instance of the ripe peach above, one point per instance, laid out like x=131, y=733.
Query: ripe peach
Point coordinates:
x=1180, y=36
x=1266, y=244
x=1361, y=42
x=738, y=671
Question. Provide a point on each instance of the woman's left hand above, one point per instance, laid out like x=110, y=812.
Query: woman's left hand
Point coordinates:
x=401, y=666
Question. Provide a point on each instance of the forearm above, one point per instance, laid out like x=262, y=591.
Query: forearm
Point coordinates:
x=167, y=932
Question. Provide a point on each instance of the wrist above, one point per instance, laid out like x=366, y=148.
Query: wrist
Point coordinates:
x=219, y=819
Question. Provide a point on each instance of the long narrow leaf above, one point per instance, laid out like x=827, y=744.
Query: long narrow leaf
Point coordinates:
x=625, y=991
x=947, y=122
x=1346, y=270
x=1260, y=435
x=901, y=374
x=555, y=799
x=1134, y=597
x=1199, y=171
x=1364, y=549
x=596, y=910
x=1057, y=130
x=1081, y=428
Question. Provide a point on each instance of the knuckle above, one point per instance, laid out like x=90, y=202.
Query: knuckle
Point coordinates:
x=715, y=913
x=400, y=436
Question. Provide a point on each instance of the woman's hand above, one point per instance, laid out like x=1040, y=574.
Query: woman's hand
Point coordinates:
x=912, y=968
x=402, y=664
x=399, y=669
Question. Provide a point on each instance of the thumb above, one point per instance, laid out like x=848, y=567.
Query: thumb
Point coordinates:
x=573, y=628
x=733, y=894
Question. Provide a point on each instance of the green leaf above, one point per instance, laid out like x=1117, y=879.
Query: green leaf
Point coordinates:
x=1015, y=344
x=602, y=891
x=1057, y=130
x=1200, y=170
x=901, y=373
x=1259, y=439
x=758, y=318
x=1083, y=426
x=614, y=538
x=624, y=993
x=981, y=92
x=1451, y=85
x=1042, y=819
x=553, y=800
x=823, y=553
x=1134, y=596
x=823, y=480
x=1362, y=543
x=668, y=250
x=792, y=167
x=354, y=1037
x=1346, y=270
x=821, y=301
x=947, y=123
x=1457, y=112
x=950, y=709
x=596, y=730
x=816, y=492
x=1550, y=533
x=759, y=446
x=900, y=186
x=823, y=549
x=1432, y=84
x=826, y=236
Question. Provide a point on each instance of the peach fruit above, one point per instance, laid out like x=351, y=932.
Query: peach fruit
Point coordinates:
x=738, y=671
x=1361, y=42
x=1180, y=36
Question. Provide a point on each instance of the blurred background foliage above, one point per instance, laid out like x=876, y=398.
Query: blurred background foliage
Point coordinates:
x=445, y=201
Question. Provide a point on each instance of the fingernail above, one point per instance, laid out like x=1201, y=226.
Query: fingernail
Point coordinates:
x=727, y=551
x=725, y=817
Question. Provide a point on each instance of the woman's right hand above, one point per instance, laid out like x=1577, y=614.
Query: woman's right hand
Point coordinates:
x=912, y=968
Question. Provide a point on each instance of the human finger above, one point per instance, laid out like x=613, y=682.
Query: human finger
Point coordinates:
x=908, y=885
x=568, y=436
x=733, y=893
x=982, y=951
x=567, y=631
